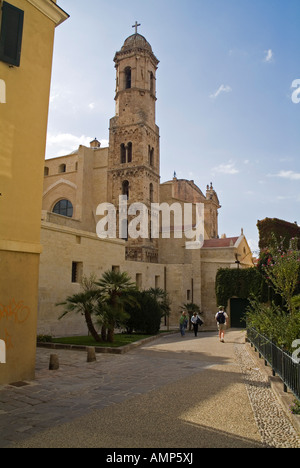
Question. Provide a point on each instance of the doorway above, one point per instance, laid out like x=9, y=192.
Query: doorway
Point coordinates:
x=238, y=309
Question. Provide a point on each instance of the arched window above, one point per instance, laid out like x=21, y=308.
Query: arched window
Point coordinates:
x=62, y=168
x=151, y=83
x=127, y=72
x=129, y=152
x=151, y=193
x=123, y=154
x=126, y=153
x=64, y=208
x=151, y=156
x=46, y=171
x=125, y=188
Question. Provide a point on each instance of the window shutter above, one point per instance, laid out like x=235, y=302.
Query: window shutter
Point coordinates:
x=11, y=34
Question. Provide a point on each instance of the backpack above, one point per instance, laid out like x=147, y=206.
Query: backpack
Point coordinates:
x=221, y=319
x=199, y=321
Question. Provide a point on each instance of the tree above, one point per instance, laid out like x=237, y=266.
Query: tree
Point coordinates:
x=84, y=303
x=163, y=300
x=282, y=270
x=145, y=316
x=115, y=292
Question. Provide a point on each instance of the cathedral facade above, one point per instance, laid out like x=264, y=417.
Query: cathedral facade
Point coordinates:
x=76, y=184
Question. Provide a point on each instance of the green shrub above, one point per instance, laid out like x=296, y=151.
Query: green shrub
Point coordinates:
x=44, y=339
x=146, y=317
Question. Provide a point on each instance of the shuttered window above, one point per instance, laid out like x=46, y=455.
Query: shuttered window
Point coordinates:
x=11, y=34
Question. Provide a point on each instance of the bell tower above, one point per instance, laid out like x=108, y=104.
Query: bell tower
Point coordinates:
x=134, y=159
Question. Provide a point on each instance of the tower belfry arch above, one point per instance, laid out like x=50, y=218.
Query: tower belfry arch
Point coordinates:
x=134, y=154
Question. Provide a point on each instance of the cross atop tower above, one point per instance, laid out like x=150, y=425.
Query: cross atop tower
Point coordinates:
x=136, y=25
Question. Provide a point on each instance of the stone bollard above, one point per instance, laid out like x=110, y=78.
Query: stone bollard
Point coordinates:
x=54, y=362
x=91, y=355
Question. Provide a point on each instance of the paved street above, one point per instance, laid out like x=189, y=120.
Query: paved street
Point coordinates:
x=172, y=393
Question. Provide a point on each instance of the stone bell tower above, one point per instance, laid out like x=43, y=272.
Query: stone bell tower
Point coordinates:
x=134, y=160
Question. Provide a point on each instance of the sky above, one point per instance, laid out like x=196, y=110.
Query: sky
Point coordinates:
x=228, y=90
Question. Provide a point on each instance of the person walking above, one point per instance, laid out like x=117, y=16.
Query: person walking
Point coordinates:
x=196, y=322
x=183, y=322
x=221, y=319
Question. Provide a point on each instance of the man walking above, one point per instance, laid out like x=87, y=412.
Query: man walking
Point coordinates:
x=221, y=319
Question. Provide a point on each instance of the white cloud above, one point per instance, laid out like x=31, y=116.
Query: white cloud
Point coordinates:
x=61, y=144
x=92, y=106
x=228, y=169
x=269, y=56
x=291, y=175
x=222, y=89
x=67, y=139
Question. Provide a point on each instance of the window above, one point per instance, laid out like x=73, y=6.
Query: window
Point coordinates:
x=123, y=154
x=62, y=168
x=151, y=83
x=126, y=153
x=116, y=269
x=77, y=270
x=64, y=208
x=129, y=152
x=127, y=78
x=151, y=156
x=46, y=171
x=11, y=34
x=139, y=280
x=151, y=193
x=125, y=188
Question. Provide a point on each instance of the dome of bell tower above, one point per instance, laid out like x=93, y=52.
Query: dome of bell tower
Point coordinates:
x=136, y=41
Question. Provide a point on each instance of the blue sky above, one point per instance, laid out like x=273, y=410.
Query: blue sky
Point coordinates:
x=224, y=89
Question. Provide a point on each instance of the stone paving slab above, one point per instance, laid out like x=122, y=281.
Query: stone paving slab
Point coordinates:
x=174, y=392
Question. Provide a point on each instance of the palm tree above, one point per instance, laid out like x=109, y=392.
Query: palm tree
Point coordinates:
x=84, y=303
x=115, y=291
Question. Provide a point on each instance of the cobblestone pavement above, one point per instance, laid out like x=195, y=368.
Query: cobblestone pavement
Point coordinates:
x=275, y=428
x=175, y=392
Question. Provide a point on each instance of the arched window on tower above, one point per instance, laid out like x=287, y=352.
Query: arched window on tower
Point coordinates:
x=127, y=72
x=125, y=189
x=151, y=193
x=151, y=83
x=129, y=152
x=123, y=154
x=151, y=156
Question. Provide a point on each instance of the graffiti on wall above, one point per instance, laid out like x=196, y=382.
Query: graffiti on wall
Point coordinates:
x=15, y=312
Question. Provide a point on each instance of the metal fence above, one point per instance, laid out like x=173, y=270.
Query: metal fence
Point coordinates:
x=282, y=363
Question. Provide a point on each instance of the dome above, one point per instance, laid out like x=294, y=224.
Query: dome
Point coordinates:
x=136, y=41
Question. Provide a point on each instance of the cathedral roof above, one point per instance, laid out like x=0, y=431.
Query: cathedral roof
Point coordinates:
x=220, y=243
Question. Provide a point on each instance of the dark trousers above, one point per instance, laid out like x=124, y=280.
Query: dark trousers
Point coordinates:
x=196, y=328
